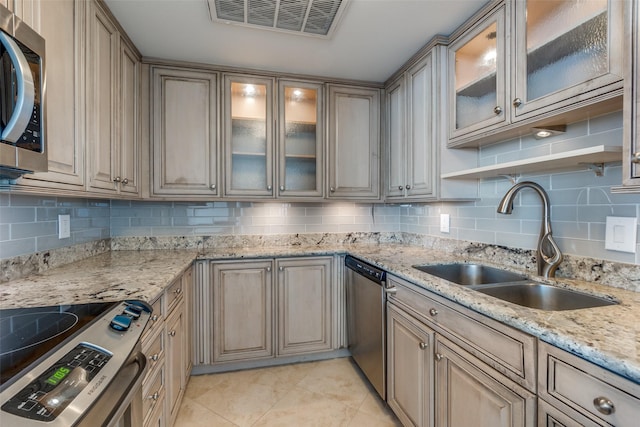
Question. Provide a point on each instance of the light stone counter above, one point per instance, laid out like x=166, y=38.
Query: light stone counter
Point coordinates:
x=608, y=336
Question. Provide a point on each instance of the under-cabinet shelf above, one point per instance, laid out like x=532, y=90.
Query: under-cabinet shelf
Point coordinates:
x=567, y=160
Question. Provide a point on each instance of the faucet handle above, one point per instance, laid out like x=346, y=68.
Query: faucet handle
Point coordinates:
x=550, y=255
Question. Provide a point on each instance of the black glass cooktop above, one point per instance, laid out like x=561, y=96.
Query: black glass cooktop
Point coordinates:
x=27, y=334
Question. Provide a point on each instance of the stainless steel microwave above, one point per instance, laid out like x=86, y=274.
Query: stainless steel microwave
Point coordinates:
x=22, y=118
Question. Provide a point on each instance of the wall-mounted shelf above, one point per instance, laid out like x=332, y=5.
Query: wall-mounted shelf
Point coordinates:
x=568, y=160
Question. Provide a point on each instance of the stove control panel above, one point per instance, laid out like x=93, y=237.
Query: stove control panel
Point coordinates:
x=49, y=394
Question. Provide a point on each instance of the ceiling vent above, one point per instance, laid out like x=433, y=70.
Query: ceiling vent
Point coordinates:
x=317, y=18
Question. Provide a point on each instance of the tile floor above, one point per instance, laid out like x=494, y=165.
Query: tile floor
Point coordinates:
x=322, y=394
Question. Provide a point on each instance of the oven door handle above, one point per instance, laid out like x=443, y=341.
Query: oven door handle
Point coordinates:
x=26, y=92
x=119, y=396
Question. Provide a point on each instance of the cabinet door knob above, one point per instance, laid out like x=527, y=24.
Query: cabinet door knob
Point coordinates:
x=517, y=102
x=125, y=181
x=332, y=189
x=213, y=186
x=268, y=269
x=635, y=158
x=604, y=405
x=497, y=110
x=154, y=317
x=439, y=357
x=117, y=179
x=433, y=312
x=177, y=291
x=154, y=396
x=155, y=357
x=423, y=345
x=269, y=187
x=408, y=187
x=281, y=268
x=282, y=188
x=391, y=290
x=172, y=333
x=400, y=187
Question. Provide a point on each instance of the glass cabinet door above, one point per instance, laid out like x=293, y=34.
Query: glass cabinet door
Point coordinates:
x=248, y=136
x=564, y=49
x=477, y=82
x=300, y=140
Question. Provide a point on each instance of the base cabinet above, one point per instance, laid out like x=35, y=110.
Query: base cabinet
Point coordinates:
x=470, y=394
x=409, y=368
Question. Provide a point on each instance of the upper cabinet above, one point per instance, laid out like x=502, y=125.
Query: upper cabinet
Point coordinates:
x=631, y=149
x=30, y=11
x=528, y=63
x=113, y=95
x=185, y=153
x=411, y=133
x=477, y=77
x=354, y=143
x=248, y=136
x=300, y=139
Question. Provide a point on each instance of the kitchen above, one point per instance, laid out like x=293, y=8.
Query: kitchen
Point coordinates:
x=108, y=216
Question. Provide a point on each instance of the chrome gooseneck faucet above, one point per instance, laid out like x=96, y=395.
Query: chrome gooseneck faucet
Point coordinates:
x=548, y=254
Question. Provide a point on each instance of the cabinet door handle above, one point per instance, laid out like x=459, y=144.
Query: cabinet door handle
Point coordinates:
x=497, y=109
x=604, y=405
x=213, y=186
x=281, y=268
x=155, y=357
x=439, y=357
x=117, y=179
x=517, y=102
x=154, y=396
x=172, y=333
x=433, y=312
x=332, y=189
x=400, y=187
x=125, y=181
x=154, y=318
x=177, y=291
x=268, y=269
x=423, y=345
x=269, y=187
x=635, y=158
x=408, y=187
x=392, y=290
x=282, y=188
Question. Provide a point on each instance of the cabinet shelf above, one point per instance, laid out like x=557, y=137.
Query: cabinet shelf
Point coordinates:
x=553, y=162
x=479, y=87
x=248, y=154
x=569, y=43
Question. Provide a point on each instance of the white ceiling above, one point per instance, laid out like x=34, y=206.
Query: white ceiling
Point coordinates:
x=373, y=39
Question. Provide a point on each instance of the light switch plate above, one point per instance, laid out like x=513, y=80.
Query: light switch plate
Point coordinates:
x=620, y=234
x=444, y=223
x=64, y=226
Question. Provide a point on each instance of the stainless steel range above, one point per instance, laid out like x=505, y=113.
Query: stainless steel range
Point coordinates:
x=72, y=365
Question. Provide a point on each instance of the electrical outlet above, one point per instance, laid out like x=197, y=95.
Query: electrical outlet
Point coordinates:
x=444, y=223
x=64, y=226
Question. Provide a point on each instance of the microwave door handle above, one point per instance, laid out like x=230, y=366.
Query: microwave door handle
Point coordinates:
x=24, y=104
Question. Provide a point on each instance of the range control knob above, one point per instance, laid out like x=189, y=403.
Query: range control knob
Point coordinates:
x=132, y=312
x=120, y=323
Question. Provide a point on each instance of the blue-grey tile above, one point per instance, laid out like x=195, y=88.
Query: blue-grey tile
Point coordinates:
x=517, y=240
x=34, y=229
x=500, y=224
x=12, y=215
x=28, y=200
x=4, y=199
x=15, y=248
x=601, y=212
x=606, y=122
x=5, y=233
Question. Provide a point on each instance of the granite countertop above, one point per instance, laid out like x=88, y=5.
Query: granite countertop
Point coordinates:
x=608, y=336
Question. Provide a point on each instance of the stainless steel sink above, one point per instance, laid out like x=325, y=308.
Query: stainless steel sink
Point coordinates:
x=543, y=297
x=470, y=274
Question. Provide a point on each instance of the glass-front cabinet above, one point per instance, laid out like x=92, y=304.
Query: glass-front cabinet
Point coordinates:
x=300, y=147
x=565, y=51
x=477, y=72
x=248, y=121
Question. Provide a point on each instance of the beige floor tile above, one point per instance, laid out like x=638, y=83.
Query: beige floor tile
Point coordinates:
x=302, y=407
x=362, y=419
x=193, y=414
x=339, y=379
x=373, y=405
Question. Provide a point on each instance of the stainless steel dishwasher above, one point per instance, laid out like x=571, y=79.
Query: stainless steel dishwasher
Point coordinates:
x=366, y=320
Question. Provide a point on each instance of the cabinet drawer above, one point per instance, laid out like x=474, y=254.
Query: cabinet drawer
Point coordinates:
x=507, y=350
x=567, y=380
x=173, y=294
x=549, y=416
x=154, y=350
x=155, y=322
x=153, y=392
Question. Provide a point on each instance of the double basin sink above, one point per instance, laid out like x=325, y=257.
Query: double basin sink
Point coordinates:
x=513, y=287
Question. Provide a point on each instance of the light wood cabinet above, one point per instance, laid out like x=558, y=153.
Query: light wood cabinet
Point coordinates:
x=411, y=141
x=522, y=64
x=30, y=11
x=301, y=141
x=176, y=357
x=248, y=135
x=469, y=393
x=631, y=148
x=242, y=311
x=113, y=94
x=184, y=132
x=305, y=305
x=62, y=26
x=354, y=143
x=410, y=385
x=585, y=393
